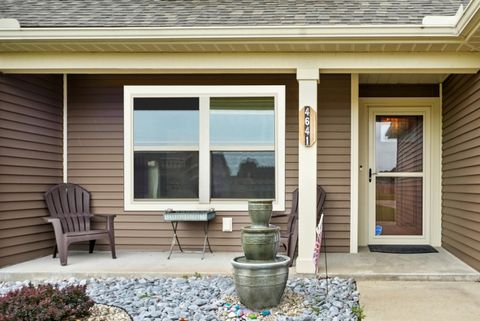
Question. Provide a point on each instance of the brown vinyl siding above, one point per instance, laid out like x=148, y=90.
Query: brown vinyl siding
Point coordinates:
x=30, y=162
x=399, y=90
x=95, y=148
x=461, y=168
x=333, y=157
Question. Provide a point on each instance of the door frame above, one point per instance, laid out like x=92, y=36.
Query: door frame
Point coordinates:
x=432, y=170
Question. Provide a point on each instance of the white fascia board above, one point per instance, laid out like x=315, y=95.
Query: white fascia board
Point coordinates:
x=470, y=18
x=191, y=62
x=229, y=33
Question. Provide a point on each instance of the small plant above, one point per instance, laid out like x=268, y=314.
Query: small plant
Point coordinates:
x=45, y=302
x=359, y=312
x=144, y=296
x=197, y=275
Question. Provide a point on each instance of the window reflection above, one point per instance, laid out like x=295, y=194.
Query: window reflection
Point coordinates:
x=242, y=121
x=166, y=121
x=243, y=175
x=165, y=175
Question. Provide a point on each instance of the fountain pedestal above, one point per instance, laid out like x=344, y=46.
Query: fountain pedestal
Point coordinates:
x=261, y=275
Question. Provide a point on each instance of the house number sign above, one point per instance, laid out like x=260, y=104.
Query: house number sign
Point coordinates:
x=308, y=126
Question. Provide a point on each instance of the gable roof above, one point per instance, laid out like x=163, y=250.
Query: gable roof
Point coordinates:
x=205, y=13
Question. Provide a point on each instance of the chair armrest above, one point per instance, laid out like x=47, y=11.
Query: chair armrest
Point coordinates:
x=279, y=214
x=110, y=218
x=55, y=222
x=106, y=215
x=57, y=228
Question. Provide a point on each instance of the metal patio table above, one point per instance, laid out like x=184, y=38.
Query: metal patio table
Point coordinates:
x=174, y=217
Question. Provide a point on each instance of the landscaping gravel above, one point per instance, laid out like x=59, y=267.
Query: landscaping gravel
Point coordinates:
x=214, y=298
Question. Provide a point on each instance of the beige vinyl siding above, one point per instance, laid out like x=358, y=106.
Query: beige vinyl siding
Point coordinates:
x=461, y=168
x=30, y=162
x=95, y=147
x=333, y=158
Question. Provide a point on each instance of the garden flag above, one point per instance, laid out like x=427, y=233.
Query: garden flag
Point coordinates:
x=318, y=243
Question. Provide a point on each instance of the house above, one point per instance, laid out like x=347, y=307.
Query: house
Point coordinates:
x=197, y=104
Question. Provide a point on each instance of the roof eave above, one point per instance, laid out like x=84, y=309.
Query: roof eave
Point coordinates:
x=467, y=23
x=230, y=33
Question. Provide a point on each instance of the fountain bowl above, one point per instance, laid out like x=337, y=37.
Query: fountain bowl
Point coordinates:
x=260, y=213
x=260, y=243
x=260, y=284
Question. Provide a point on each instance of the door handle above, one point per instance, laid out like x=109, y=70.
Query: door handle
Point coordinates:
x=370, y=174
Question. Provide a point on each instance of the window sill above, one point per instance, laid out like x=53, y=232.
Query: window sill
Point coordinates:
x=219, y=206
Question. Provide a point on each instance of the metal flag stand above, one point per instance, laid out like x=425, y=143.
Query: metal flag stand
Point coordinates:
x=319, y=242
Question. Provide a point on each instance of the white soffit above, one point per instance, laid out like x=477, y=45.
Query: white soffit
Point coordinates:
x=402, y=78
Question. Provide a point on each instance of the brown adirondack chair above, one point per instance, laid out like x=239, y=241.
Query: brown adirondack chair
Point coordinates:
x=289, y=238
x=69, y=207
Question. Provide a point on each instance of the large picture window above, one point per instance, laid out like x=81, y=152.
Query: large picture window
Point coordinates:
x=198, y=147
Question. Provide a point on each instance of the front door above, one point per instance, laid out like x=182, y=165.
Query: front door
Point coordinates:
x=397, y=185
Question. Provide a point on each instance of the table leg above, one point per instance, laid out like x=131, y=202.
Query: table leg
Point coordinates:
x=174, y=238
x=206, y=240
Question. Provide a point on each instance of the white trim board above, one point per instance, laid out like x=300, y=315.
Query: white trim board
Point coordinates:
x=49, y=62
x=354, y=162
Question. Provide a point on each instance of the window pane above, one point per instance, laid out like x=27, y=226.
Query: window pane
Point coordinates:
x=399, y=205
x=166, y=121
x=242, y=121
x=399, y=143
x=243, y=175
x=160, y=175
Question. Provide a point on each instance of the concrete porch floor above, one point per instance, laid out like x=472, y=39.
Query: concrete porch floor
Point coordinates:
x=364, y=265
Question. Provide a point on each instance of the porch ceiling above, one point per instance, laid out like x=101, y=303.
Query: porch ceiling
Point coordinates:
x=388, y=78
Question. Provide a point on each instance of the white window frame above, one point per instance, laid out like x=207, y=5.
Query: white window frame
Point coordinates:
x=203, y=93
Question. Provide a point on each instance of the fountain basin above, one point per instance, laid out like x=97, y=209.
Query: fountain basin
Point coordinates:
x=260, y=284
x=260, y=243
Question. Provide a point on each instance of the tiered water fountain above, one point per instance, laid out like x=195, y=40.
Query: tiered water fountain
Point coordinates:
x=261, y=275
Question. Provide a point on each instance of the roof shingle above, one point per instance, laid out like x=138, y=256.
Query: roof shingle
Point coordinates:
x=205, y=13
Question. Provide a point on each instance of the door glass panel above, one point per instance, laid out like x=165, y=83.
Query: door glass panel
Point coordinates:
x=399, y=206
x=399, y=144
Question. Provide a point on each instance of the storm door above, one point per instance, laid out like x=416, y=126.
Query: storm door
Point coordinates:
x=396, y=175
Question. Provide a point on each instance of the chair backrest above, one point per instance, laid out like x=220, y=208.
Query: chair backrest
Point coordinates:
x=71, y=204
x=321, y=197
x=293, y=217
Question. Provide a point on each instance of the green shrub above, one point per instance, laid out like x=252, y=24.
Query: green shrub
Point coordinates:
x=45, y=303
x=359, y=312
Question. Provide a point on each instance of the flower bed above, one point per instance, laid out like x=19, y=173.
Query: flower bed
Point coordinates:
x=212, y=298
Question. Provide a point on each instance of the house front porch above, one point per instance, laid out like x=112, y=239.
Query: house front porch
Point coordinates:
x=364, y=265
x=77, y=127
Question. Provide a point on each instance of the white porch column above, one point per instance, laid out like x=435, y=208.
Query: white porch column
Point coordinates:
x=354, y=163
x=307, y=176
